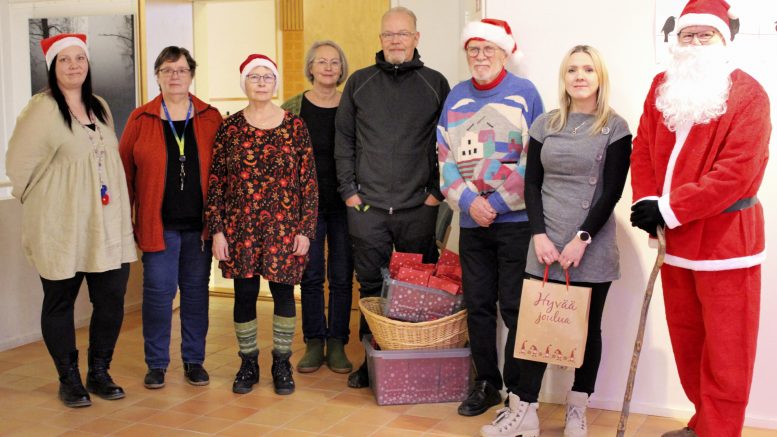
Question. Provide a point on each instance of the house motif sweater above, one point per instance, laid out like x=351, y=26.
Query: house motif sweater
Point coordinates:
x=482, y=138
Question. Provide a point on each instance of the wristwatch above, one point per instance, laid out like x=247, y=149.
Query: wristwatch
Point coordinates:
x=584, y=236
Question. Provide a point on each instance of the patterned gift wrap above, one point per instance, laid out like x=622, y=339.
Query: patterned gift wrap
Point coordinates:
x=418, y=376
x=416, y=303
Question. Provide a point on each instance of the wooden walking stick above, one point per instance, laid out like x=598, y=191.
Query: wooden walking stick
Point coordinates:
x=641, y=331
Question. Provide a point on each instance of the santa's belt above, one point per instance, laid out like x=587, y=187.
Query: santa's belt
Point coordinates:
x=742, y=204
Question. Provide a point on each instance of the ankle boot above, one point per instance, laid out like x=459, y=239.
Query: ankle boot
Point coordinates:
x=248, y=375
x=282, y=380
x=576, y=425
x=314, y=356
x=71, y=390
x=336, y=359
x=98, y=381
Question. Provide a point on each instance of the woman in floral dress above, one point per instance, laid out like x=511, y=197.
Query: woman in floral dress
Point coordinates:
x=262, y=208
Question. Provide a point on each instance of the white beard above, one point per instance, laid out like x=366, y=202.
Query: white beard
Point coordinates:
x=696, y=85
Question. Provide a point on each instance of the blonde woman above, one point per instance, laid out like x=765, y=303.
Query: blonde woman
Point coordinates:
x=576, y=168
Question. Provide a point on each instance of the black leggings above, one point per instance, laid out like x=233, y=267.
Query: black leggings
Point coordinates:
x=531, y=372
x=247, y=291
x=106, y=292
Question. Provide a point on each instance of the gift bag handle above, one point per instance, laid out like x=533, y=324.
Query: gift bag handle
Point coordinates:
x=545, y=277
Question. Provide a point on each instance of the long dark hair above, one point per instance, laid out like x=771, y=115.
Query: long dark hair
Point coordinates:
x=91, y=102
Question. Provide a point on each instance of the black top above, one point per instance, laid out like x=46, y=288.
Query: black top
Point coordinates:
x=321, y=127
x=616, y=167
x=182, y=209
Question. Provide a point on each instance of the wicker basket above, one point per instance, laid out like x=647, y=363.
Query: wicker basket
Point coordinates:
x=445, y=333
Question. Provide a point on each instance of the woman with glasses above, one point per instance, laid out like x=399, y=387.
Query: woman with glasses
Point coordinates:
x=166, y=148
x=64, y=164
x=325, y=68
x=262, y=208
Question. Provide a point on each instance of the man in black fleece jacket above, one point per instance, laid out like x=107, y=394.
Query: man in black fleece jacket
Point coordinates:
x=386, y=158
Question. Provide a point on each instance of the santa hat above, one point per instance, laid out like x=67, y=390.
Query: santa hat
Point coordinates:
x=714, y=13
x=253, y=61
x=496, y=31
x=52, y=46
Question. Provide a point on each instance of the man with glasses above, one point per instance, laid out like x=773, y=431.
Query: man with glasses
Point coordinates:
x=698, y=161
x=482, y=137
x=386, y=159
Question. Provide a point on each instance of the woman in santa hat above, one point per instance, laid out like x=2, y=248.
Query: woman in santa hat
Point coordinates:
x=262, y=210
x=63, y=161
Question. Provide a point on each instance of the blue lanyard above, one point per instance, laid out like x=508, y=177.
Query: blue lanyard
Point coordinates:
x=181, y=140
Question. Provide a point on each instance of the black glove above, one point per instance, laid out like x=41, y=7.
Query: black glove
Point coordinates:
x=646, y=216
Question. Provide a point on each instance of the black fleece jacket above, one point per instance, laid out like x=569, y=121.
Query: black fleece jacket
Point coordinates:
x=385, y=141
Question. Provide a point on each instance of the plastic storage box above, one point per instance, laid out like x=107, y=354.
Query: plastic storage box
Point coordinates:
x=418, y=376
x=416, y=303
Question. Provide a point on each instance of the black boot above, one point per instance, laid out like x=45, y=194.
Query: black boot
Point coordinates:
x=71, y=390
x=281, y=373
x=248, y=375
x=98, y=381
x=360, y=378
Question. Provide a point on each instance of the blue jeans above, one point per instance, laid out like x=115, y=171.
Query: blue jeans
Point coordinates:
x=184, y=263
x=332, y=227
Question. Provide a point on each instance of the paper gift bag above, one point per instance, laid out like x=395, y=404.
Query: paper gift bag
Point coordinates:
x=552, y=322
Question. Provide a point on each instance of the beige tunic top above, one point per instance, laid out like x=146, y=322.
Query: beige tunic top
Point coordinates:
x=54, y=172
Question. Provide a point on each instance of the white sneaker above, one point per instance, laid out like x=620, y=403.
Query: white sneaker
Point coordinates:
x=518, y=419
x=576, y=425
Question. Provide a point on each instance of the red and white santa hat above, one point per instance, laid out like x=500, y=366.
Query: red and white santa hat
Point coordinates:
x=55, y=44
x=494, y=30
x=714, y=13
x=253, y=61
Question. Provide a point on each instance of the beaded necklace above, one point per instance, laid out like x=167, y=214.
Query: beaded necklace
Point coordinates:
x=98, y=148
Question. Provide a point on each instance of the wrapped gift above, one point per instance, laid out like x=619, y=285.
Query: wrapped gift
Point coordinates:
x=400, y=259
x=449, y=271
x=418, y=376
x=413, y=276
x=444, y=284
x=448, y=258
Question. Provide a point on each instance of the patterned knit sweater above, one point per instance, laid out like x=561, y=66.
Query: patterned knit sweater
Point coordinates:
x=482, y=137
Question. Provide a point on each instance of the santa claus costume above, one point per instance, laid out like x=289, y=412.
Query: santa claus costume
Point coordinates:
x=703, y=176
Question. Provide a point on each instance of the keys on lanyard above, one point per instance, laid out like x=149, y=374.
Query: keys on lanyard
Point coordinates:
x=181, y=140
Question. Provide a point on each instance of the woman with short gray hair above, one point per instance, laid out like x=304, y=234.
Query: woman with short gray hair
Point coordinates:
x=325, y=68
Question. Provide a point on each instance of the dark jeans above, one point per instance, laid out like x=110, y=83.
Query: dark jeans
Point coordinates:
x=332, y=229
x=493, y=261
x=585, y=377
x=376, y=233
x=184, y=264
x=106, y=292
x=247, y=291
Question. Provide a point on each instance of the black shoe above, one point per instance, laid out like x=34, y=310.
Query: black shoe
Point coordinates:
x=482, y=397
x=360, y=378
x=248, y=375
x=195, y=374
x=98, y=381
x=155, y=378
x=71, y=390
x=282, y=380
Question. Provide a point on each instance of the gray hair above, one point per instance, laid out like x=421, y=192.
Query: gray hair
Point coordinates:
x=401, y=10
x=312, y=52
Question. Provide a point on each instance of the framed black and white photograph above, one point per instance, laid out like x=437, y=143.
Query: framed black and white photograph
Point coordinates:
x=111, y=42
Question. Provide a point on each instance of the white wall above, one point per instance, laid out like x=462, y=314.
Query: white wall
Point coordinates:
x=168, y=23
x=622, y=31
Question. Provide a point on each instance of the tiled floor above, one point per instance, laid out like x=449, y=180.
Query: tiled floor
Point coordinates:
x=322, y=404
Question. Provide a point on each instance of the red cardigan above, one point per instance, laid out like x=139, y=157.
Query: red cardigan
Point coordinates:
x=144, y=154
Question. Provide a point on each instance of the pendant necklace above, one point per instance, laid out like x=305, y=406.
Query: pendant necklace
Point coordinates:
x=98, y=148
x=180, y=140
x=574, y=131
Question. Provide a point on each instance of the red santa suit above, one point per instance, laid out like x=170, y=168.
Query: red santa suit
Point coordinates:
x=706, y=178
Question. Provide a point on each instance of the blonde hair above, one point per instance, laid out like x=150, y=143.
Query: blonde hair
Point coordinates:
x=558, y=119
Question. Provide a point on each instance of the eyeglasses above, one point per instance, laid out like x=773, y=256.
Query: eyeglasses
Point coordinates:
x=171, y=71
x=703, y=37
x=334, y=63
x=386, y=36
x=474, y=52
x=259, y=78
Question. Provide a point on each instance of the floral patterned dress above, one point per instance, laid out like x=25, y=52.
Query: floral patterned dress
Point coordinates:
x=262, y=192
